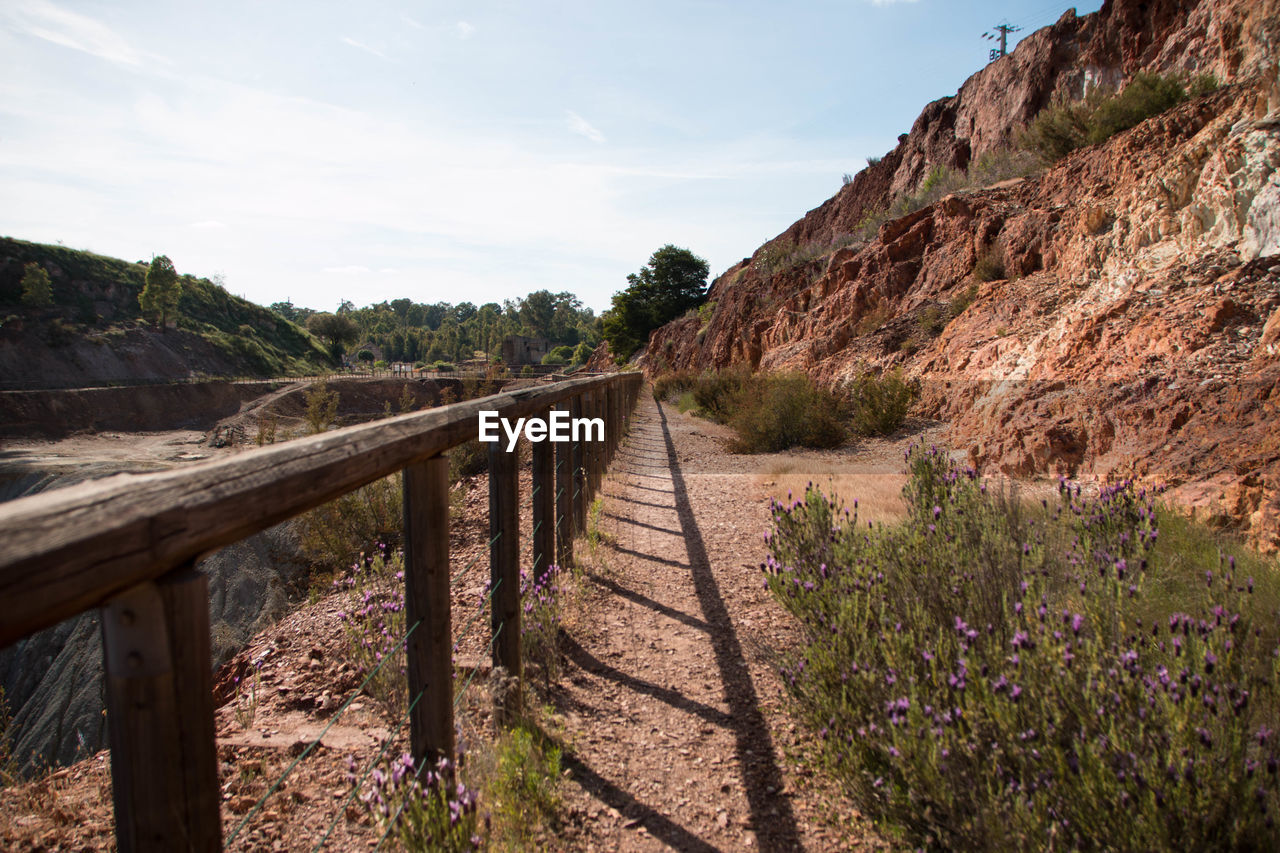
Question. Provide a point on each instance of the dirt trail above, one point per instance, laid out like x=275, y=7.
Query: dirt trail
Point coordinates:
x=671, y=699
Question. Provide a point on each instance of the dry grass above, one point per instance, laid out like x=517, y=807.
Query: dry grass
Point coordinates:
x=879, y=495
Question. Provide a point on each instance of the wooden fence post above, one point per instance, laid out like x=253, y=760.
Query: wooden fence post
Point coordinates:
x=580, y=504
x=564, y=504
x=597, y=447
x=544, y=506
x=504, y=574
x=159, y=684
x=429, y=652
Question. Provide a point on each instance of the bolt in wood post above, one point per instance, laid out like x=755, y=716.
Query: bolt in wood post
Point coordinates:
x=544, y=506
x=429, y=652
x=504, y=574
x=159, y=685
x=564, y=504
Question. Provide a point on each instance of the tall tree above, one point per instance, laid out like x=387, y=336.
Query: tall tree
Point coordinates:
x=336, y=330
x=159, y=297
x=673, y=281
x=37, y=292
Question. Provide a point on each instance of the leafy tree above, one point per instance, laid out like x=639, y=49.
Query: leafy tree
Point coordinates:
x=336, y=330
x=673, y=281
x=291, y=312
x=37, y=292
x=159, y=298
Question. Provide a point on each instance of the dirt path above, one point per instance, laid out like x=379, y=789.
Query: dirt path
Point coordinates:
x=672, y=703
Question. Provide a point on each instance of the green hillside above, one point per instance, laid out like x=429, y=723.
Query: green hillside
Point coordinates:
x=95, y=298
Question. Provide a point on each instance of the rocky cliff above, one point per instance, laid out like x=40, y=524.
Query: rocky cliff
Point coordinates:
x=1117, y=314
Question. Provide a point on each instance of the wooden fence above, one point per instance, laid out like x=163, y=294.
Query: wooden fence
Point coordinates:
x=128, y=545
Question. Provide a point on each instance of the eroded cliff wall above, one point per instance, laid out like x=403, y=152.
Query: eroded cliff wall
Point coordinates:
x=1135, y=328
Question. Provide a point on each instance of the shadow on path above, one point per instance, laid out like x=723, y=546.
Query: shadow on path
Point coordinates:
x=772, y=818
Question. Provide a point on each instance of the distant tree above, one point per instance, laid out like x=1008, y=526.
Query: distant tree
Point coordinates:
x=364, y=355
x=336, y=330
x=291, y=312
x=673, y=281
x=37, y=292
x=159, y=298
x=582, y=353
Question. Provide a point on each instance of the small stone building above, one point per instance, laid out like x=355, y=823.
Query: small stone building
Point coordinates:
x=518, y=350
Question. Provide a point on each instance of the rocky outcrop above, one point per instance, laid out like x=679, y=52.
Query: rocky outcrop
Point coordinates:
x=1134, y=327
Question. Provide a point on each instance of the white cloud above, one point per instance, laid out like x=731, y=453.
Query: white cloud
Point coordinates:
x=582, y=127
x=362, y=46
x=463, y=30
x=47, y=21
x=350, y=269
x=208, y=225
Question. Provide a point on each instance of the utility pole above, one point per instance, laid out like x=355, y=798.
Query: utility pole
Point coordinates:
x=1001, y=32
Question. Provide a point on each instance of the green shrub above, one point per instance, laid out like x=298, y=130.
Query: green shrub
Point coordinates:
x=931, y=321
x=522, y=787
x=1202, y=84
x=990, y=264
x=775, y=411
x=1063, y=127
x=668, y=385
x=878, y=405
x=443, y=367
x=718, y=393
x=468, y=459
x=336, y=533
x=963, y=300
x=322, y=407
x=874, y=319
x=992, y=675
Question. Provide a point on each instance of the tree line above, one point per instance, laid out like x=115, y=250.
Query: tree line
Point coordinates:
x=408, y=331
x=673, y=282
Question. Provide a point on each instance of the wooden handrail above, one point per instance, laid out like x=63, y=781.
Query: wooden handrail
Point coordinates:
x=128, y=544
x=65, y=551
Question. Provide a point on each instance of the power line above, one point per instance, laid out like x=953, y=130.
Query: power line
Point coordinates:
x=1001, y=31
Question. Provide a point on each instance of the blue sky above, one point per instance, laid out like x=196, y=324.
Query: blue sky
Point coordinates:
x=451, y=151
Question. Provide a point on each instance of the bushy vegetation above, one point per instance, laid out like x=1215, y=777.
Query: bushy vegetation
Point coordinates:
x=1064, y=126
x=878, y=405
x=92, y=293
x=37, y=292
x=425, y=808
x=989, y=265
x=780, y=410
x=993, y=675
x=522, y=787
x=774, y=411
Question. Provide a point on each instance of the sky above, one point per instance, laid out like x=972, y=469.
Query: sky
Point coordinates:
x=456, y=151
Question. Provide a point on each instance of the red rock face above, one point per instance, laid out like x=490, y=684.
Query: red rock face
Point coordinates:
x=1134, y=330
